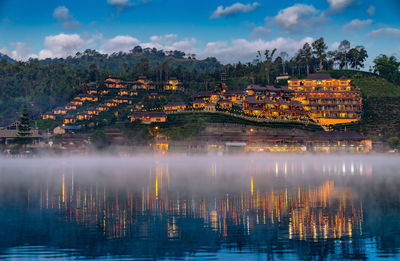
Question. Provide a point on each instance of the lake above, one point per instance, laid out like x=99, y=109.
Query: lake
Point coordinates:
x=270, y=207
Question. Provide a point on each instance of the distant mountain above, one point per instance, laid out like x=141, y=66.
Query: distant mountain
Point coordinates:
x=6, y=58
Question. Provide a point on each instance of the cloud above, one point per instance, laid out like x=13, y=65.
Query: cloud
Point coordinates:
x=371, y=10
x=62, y=14
x=21, y=51
x=120, y=2
x=119, y=43
x=61, y=45
x=260, y=31
x=164, y=39
x=335, y=45
x=244, y=50
x=336, y=6
x=234, y=9
x=393, y=33
x=356, y=24
x=297, y=17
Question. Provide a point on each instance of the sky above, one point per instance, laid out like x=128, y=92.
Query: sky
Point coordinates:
x=232, y=31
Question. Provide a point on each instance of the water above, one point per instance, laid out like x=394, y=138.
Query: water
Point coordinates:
x=209, y=208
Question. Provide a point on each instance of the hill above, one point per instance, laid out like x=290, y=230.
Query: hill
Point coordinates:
x=6, y=58
x=381, y=104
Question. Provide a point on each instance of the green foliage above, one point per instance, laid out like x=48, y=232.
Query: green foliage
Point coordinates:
x=394, y=142
x=387, y=67
x=99, y=139
x=24, y=135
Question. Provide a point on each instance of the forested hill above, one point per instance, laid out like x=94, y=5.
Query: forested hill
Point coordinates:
x=6, y=59
x=121, y=62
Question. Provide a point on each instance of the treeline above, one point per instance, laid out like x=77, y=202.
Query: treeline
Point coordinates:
x=119, y=61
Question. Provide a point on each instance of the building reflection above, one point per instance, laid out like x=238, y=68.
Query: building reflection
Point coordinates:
x=313, y=212
x=262, y=210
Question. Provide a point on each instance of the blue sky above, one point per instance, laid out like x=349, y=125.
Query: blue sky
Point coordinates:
x=232, y=31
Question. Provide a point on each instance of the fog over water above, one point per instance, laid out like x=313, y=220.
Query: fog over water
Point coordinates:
x=203, y=207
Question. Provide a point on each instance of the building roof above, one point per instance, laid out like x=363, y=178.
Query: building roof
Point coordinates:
x=148, y=114
x=344, y=78
x=171, y=104
x=203, y=94
x=256, y=87
x=319, y=76
x=233, y=92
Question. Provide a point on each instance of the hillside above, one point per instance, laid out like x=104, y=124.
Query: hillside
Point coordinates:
x=381, y=104
x=6, y=58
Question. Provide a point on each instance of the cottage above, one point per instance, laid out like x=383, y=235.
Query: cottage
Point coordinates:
x=198, y=104
x=225, y=104
x=69, y=120
x=114, y=83
x=175, y=106
x=110, y=103
x=60, y=111
x=148, y=117
x=122, y=100
x=234, y=95
x=143, y=84
x=70, y=106
x=102, y=107
x=48, y=116
x=207, y=96
x=173, y=84
x=77, y=102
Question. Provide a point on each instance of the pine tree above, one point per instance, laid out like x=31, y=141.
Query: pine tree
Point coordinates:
x=24, y=135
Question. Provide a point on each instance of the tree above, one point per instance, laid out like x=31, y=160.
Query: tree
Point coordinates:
x=24, y=135
x=305, y=56
x=268, y=62
x=99, y=139
x=94, y=74
x=284, y=56
x=343, y=50
x=319, y=49
x=387, y=67
x=357, y=56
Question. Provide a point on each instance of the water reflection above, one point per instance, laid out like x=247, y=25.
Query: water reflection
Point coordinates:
x=335, y=208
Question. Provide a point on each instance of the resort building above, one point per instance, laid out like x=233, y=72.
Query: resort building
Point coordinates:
x=48, y=116
x=69, y=120
x=225, y=104
x=148, y=117
x=143, y=84
x=60, y=111
x=77, y=102
x=114, y=83
x=198, y=104
x=122, y=100
x=329, y=101
x=207, y=96
x=173, y=84
x=175, y=106
x=234, y=95
x=70, y=106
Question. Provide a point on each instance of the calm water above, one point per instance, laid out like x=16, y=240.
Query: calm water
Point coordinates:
x=234, y=208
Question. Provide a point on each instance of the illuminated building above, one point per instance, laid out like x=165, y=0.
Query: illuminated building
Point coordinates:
x=329, y=101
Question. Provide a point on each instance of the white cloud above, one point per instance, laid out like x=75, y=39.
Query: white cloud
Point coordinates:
x=297, y=17
x=356, y=24
x=20, y=52
x=371, y=10
x=335, y=45
x=164, y=39
x=119, y=2
x=385, y=32
x=234, y=9
x=244, y=50
x=61, y=45
x=62, y=14
x=122, y=43
x=339, y=5
x=260, y=31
